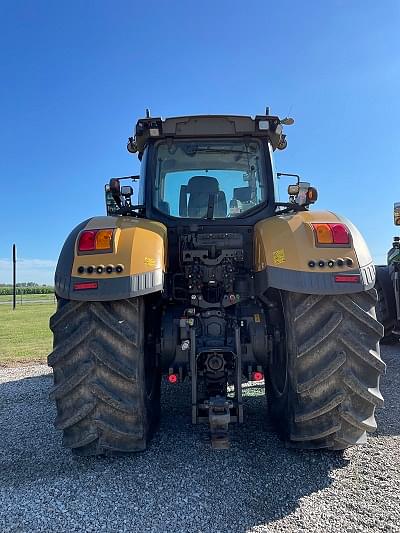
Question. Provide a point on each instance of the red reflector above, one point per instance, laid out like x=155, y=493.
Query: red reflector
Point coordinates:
x=173, y=378
x=340, y=234
x=348, y=279
x=257, y=376
x=87, y=241
x=83, y=285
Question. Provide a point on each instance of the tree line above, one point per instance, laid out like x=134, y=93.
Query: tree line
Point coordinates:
x=37, y=289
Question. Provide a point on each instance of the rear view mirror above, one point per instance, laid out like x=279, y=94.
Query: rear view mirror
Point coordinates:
x=300, y=193
x=111, y=204
x=126, y=190
x=115, y=185
x=397, y=214
x=115, y=190
x=118, y=197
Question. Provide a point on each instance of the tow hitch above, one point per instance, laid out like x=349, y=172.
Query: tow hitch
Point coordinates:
x=218, y=409
x=219, y=416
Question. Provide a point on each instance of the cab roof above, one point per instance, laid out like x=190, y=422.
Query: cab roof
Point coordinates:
x=267, y=126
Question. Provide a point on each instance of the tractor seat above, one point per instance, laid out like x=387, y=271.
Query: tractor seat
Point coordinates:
x=199, y=189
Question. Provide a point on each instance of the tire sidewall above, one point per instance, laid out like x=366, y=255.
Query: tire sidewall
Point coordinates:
x=280, y=404
x=151, y=397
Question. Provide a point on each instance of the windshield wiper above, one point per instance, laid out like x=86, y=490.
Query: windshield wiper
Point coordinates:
x=220, y=151
x=192, y=150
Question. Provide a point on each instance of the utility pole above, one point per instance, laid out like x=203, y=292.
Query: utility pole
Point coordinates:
x=14, y=274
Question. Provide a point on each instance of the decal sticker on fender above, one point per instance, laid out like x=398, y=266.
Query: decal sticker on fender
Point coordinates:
x=149, y=261
x=279, y=256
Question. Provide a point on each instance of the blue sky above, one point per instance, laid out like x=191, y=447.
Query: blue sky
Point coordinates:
x=76, y=75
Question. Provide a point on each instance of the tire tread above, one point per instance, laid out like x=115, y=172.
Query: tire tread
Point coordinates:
x=98, y=366
x=334, y=370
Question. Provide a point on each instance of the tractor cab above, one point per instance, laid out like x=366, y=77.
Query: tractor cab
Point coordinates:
x=208, y=168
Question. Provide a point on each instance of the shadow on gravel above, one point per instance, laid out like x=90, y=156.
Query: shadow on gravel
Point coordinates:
x=178, y=484
x=389, y=417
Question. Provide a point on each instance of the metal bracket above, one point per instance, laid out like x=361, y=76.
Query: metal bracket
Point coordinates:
x=221, y=410
x=193, y=370
x=238, y=383
x=219, y=418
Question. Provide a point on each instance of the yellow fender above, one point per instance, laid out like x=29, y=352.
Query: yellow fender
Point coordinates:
x=136, y=263
x=287, y=256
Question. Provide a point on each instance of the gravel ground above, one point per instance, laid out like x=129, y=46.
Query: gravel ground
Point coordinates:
x=180, y=484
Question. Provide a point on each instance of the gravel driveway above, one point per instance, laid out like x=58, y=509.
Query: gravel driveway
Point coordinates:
x=180, y=484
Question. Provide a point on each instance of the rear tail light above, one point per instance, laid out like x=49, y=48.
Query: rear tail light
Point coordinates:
x=173, y=378
x=96, y=240
x=257, y=376
x=340, y=234
x=87, y=241
x=334, y=234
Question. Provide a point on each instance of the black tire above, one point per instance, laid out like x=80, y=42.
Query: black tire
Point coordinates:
x=323, y=387
x=107, y=392
x=386, y=306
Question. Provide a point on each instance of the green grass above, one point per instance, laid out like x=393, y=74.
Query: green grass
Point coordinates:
x=26, y=297
x=24, y=333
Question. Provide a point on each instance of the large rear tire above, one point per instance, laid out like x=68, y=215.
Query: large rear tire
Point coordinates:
x=386, y=306
x=106, y=387
x=323, y=386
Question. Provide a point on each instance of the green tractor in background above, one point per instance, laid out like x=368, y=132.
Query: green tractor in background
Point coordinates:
x=388, y=288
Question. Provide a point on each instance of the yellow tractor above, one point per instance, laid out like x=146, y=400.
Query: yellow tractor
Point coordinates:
x=199, y=273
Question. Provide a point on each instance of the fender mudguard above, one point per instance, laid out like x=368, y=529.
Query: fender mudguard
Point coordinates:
x=139, y=247
x=285, y=245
